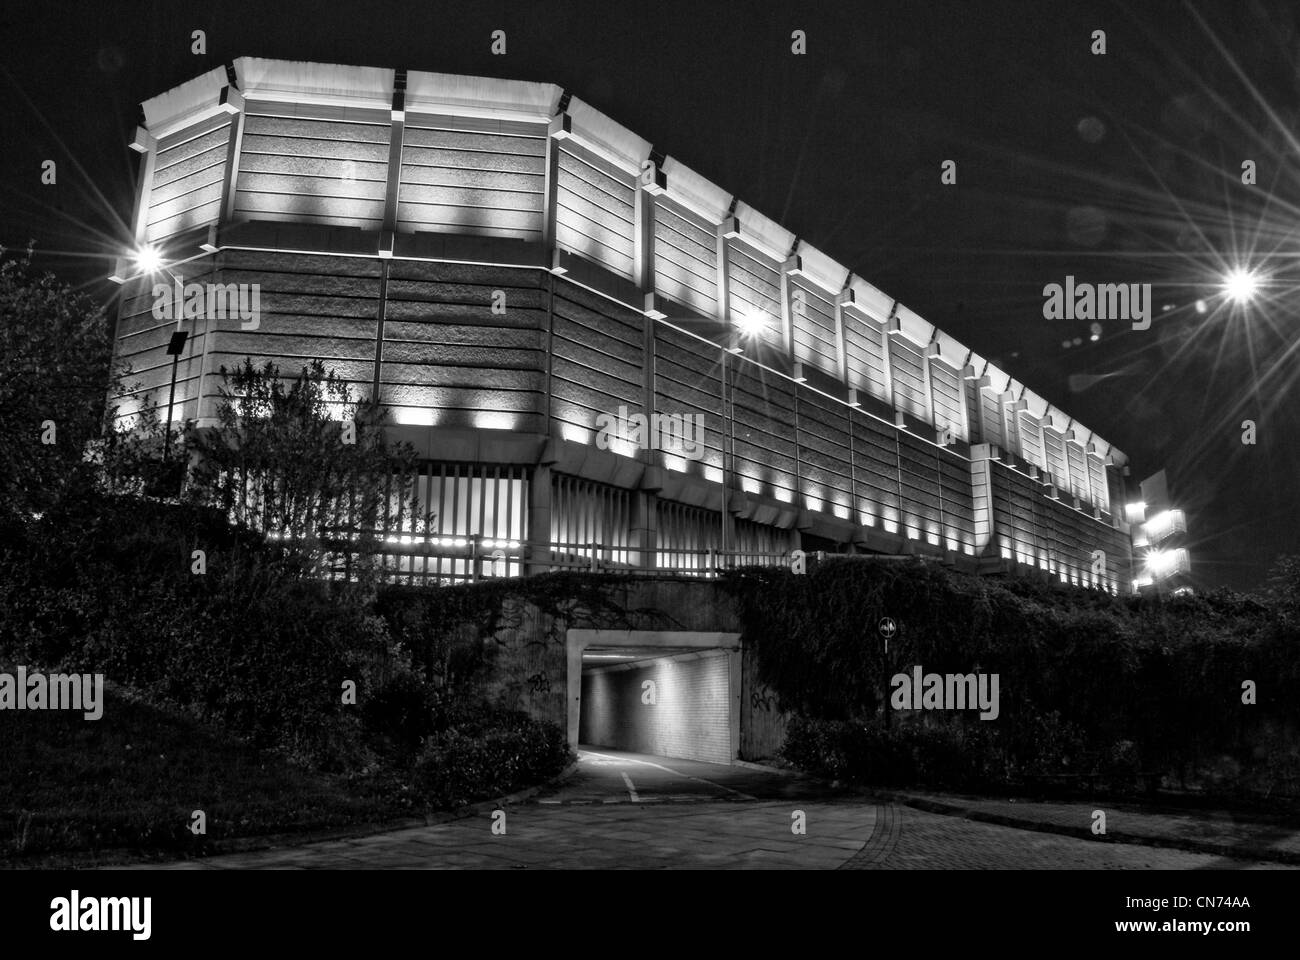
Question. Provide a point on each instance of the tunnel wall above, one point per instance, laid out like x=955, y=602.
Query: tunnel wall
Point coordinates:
x=689, y=718
x=762, y=722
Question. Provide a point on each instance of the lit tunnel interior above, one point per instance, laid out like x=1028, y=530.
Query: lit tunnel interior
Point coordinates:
x=668, y=701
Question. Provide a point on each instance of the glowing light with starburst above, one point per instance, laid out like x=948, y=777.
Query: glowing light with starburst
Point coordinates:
x=1241, y=285
x=148, y=258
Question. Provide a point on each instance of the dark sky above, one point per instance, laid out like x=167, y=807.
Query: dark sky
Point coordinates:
x=1122, y=168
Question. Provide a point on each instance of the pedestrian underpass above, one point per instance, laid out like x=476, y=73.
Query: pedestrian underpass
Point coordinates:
x=662, y=693
x=669, y=706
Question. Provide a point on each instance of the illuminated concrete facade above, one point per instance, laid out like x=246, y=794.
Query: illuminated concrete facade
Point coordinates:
x=1162, y=564
x=518, y=277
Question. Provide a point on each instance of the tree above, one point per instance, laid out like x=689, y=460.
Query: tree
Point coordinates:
x=55, y=379
x=303, y=463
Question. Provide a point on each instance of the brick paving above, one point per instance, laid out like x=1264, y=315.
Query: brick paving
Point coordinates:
x=720, y=836
x=930, y=841
x=622, y=811
x=624, y=836
x=1207, y=831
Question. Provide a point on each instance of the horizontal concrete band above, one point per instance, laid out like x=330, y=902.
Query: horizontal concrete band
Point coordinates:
x=347, y=196
x=530, y=386
x=652, y=638
x=314, y=143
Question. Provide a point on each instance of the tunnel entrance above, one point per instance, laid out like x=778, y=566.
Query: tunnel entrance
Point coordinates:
x=665, y=693
x=673, y=706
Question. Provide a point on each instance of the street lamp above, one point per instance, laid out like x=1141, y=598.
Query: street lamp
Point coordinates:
x=149, y=259
x=174, y=348
x=1241, y=285
x=751, y=322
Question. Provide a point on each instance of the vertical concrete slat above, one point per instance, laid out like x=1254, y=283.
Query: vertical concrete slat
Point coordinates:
x=841, y=352
x=233, y=103
x=643, y=503
x=539, y=520
x=393, y=182
x=727, y=527
x=146, y=144
x=392, y=187
x=887, y=361
x=926, y=360
x=787, y=315
x=965, y=372
x=560, y=128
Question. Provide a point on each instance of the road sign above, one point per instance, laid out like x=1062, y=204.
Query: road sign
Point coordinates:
x=888, y=629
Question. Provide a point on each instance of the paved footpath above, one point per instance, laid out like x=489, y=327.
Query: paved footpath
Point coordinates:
x=1201, y=831
x=628, y=811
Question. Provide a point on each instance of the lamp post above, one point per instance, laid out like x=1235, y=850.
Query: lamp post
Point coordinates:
x=174, y=348
x=149, y=260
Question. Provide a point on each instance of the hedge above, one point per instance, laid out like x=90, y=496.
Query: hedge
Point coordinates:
x=1089, y=683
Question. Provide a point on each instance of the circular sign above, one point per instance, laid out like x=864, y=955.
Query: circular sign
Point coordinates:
x=888, y=628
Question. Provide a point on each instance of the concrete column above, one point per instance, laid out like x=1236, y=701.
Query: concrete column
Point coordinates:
x=146, y=144
x=886, y=350
x=727, y=534
x=787, y=315
x=379, y=332
x=232, y=101
x=1010, y=408
x=396, y=136
x=727, y=230
x=982, y=492
x=841, y=355
x=927, y=355
x=538, y=532
x=652, y=183
x=644, y=533
x=205, y=358
x=644, y=522
x=964, y=373
x=561, y=128
x=388, y=232
x=976, y=421
x=855, y=513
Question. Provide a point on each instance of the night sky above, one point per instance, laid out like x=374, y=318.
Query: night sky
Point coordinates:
x=1122, y=168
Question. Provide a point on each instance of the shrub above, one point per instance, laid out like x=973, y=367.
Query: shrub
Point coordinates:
x=1121, y=766
x=107, y=587
x=816, y=746
x=400, y=707
x=487, y=755
x=1116, y=690
x=909, y=754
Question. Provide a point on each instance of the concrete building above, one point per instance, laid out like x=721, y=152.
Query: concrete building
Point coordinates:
x=1162, y=564
x=602, y=358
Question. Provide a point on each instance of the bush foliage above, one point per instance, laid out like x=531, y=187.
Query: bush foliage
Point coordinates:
x=493, y=754
x=101, y=515
x=1091, y=685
